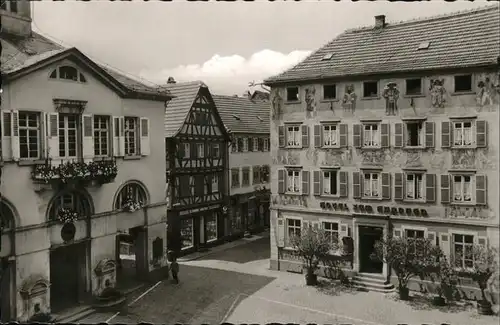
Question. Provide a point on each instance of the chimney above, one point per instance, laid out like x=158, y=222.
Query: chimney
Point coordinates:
x=171, y=80
x=380, y=21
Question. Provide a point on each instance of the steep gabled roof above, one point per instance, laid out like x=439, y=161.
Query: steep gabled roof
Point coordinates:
x=457, y=40
x=179, y=107
x=22, y=55
x=242, y=115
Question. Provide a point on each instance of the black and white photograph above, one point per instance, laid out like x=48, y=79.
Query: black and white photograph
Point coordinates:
x=250, y=162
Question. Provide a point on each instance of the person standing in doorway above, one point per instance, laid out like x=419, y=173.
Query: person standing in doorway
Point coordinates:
x=174, y=267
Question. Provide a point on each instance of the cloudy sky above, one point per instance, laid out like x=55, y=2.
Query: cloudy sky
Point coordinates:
x=226, y=45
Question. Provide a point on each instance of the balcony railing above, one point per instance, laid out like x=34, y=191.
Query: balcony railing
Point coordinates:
x=101, y=171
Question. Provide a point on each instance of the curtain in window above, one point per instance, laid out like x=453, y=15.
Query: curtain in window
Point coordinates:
x=409, y=187
x=366, y=186
x=458, y=138
x=467, y=136
x=467, y=190
x=326, y=183
x=374, y=187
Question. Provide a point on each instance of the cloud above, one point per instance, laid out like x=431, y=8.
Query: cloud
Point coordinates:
x=230, y=74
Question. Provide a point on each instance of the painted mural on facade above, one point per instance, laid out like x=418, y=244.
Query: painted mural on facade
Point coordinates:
x=488, y=92
x=391, y=95
x=276, y=103
x=349, y=99
x=286, y=157
x=289, y=200
x=438, y=94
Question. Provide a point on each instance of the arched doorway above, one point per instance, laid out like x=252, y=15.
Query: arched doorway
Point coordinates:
x=68, y=261
x=7, y=268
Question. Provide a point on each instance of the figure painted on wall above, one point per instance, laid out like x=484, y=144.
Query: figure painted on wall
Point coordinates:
x=310, y=98
x=277, y=103
x=437, y=92
x=486, y=92
x=349, y=100
x=391, y=95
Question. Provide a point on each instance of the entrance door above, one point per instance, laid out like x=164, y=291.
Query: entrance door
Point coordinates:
x=64, y=276
x=5, y=287
x=367, y=238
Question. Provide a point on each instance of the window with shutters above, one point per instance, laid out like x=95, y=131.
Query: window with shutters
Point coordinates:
x=256, y=179
x=29, y=135
x=245, y=144
x=215, y=183
x=330, y=135
x=371, y=136
x=463, y=134
x=293, y=228
x=331, y=230
x=292, y=94
x=462, y=186
x=293, y=136
x=67, y=73
x=255, y=144
x=131, y=136
x=68, y=135
x=463, y=254
x=330, y=182
x=101, y=136
x=131, y=191
x=246, y=176
x=235, y=177
x=414, y=134
x=266, y=144
x=371, y=185
x=264, y=174
x=200, y=150
x=414, y=186
x=411, y=235
x=293, y=181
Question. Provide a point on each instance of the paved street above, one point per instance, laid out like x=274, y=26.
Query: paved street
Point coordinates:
x=236, y=286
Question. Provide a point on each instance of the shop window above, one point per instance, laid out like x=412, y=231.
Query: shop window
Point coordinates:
x=187, y=233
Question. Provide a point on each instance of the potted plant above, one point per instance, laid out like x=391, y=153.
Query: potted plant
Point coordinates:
x=131, y=205
x=442, y=272
x=312, y=246
x=484, y=264
x=66, y=215
x=407, y=257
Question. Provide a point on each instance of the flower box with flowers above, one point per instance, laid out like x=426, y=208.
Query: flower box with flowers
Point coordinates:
x=130, y=205
x=102, y=171
x=67, y=216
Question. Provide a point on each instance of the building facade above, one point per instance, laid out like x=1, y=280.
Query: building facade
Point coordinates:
x=372, y=136
x=196, y=154
x=247, y=119
x=82, y=167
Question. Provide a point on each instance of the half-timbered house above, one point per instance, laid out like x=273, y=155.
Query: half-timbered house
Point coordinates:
x=196, y=148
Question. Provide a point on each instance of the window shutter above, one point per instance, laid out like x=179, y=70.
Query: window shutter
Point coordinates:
x=318, y=142
x=398, y=135
x=384, y=135
x=240, y=144
x=317, y=180
x=356, y=185
x=445, y=244
x=145, y=137
x=53, y=140
x=115, y=124
x=180, y=150
x=281, y=181
x=482, y=241
x=431, y=236
x=121, y=138
x=481, y=190
x=87, y=137
x=250, y=144
x=343, y=130
x=305, y=182
x=430, y=188
x=43, y=135
x=305, y=136
x=386, y=186
x=357, y=135
x=481, y=134
x=280, y=233
x=261, y=144
x=281, y=136
x=6, y=135
x=429, y=134
x=344, y=230
x=396, y=232
x=445, y=189
x=445, y=134
x=15, y=136
x=398, y=186
x=343, y=181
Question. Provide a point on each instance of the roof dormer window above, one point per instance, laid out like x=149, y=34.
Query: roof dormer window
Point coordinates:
x=68, y=73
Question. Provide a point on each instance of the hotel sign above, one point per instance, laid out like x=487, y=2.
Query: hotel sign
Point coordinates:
x=191, y=211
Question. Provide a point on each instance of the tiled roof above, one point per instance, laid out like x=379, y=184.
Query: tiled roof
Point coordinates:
x=242, y=115
x=22, y=52
x=462, y=39
x=178, y=108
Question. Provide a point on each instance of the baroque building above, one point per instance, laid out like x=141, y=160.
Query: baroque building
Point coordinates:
x=196, y=147
x=247, y=120
x=390, y=129
x=83, y=169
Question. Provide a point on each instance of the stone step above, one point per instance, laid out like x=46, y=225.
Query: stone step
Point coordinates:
x=370, y=280
x=373, y=289
x=371, y=275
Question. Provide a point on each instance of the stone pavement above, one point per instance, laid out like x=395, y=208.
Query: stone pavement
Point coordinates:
x=224, y=286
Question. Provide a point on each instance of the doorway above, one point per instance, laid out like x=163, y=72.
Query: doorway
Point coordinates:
x=67, y=276
x=130, y=256
x=367, y=236
x=5, y=290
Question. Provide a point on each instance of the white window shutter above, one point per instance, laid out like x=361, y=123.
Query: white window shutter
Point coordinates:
x=280, y=232
x=6, y=120
x=482, y=241
x=396, y=233
x=15, y=135
x=43, y=135
x=53, y=138
x=344, y=230
x=115, y=125
x=145, y=138
x=445, y=242
x=431, y=236
x=88, y=137
x=121, y=137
